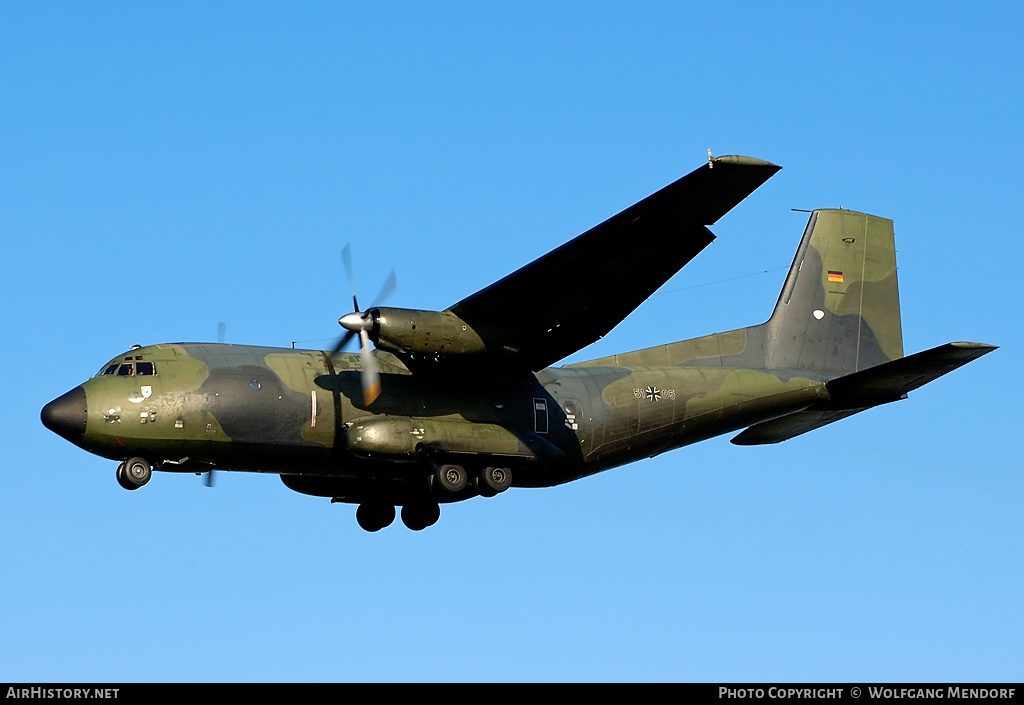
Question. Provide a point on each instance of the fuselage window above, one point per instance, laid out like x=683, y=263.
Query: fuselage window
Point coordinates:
x=111, y=369
x=125, y=370
x=144, y=368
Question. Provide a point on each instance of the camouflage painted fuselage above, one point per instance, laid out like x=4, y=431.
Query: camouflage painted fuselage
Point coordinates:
x=298, y=412
x=831, y=348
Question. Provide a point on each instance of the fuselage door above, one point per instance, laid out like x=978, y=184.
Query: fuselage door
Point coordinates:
x=540, y=415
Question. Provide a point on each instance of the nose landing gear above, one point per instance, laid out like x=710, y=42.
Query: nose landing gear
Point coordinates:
x=134, y=473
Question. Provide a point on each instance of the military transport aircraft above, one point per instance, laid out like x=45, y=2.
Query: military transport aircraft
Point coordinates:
x=463, y=402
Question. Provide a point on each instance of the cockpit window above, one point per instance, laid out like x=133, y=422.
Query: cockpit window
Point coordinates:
x=128, y=369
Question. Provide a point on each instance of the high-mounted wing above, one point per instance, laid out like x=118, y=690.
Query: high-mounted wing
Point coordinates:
x=575, y=294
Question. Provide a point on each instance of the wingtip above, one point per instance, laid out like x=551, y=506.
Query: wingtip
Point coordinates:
x=744, y=161
x=972, y=351
x=975, y=346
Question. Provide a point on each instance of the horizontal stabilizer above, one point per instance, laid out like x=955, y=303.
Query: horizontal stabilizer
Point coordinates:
x=893, y=380
x=862, y=390
x=789, y=426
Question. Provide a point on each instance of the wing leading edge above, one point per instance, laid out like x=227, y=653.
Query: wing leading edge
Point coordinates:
x=578, y=292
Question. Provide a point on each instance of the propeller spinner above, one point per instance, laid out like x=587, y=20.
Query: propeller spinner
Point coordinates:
x=361, y=323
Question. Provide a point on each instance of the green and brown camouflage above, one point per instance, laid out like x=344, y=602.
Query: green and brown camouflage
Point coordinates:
x=467, y=403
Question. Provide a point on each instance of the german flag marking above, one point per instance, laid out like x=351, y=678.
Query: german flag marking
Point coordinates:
x=835, y=276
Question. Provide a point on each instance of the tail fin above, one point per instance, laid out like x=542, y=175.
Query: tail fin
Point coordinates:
x=839, y=311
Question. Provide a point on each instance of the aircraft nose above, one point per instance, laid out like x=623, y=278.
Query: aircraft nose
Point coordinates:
x=66, y=415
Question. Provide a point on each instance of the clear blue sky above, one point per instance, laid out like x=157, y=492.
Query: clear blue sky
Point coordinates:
x=168, y=166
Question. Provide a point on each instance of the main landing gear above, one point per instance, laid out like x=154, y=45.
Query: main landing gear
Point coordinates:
x=419, y=516
x=445, y=482
x=134, y=473
x=492, y=481
x=488, y=482
x=374, y=516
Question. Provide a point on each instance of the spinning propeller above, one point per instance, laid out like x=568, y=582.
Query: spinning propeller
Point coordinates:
x=361, y=323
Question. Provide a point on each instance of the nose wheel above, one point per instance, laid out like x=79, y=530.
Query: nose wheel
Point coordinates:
x=134, y=473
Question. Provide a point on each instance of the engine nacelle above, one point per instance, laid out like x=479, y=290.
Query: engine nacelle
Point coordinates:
x=423, y=333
